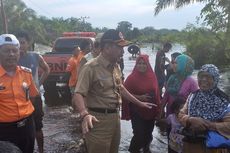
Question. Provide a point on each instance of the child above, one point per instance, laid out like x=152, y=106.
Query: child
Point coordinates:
x=175, y=142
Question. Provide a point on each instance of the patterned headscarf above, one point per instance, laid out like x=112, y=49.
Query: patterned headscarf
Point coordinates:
x=212, y=104
x=213, y=71
x=184, y=68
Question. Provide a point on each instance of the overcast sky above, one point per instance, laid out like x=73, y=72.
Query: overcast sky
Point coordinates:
x=107, y=13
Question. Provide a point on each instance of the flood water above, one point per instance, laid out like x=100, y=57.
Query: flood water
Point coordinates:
x=62, y=128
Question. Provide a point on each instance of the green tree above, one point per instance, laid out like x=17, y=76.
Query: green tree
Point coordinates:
x=124, y=27
x=135, y=33
x=162, y=4
x=216, y=14
x=19, y=17
x=43, y=29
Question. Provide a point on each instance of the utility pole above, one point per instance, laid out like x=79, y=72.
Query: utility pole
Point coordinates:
x=4, y=18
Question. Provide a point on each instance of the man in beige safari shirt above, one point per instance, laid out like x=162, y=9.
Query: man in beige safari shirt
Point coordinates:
x=98, y=96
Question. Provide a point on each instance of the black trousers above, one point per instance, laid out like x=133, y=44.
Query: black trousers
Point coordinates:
x=21, y=133
x=142, y=133
x=38, y=113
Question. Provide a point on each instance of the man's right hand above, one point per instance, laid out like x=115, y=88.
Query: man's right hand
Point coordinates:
x=87, y=123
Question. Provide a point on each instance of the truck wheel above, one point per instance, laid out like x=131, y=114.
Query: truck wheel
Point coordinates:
x=66, y=96
x=51, y=94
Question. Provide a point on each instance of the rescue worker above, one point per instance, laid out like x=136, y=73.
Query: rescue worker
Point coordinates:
x=74, y=65
x=16, y=90
x=71, y=68
x=74, y=62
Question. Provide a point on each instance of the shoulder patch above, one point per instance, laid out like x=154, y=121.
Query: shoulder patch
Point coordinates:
x=26, y=69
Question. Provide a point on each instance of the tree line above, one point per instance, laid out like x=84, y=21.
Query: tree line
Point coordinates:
x=45, y=30
x=206, y=44
x=211, y=42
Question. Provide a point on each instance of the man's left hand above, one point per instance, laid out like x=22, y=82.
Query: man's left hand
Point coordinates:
x=147, y=105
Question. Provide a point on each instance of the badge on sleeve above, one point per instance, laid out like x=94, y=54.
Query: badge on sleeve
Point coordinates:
x=2, y=87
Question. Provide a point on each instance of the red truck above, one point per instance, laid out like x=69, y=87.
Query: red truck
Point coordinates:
x=56, y=86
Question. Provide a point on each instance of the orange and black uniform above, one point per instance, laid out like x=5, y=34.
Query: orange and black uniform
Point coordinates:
x=72, y=67
x=16, y=123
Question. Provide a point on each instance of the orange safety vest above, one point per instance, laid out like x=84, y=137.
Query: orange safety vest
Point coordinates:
x=72, y=67
x=15, y=93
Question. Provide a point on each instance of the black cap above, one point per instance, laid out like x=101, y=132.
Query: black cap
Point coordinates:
x=114, y=36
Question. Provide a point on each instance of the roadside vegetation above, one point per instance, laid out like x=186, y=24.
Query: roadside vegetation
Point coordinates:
x=209, y=43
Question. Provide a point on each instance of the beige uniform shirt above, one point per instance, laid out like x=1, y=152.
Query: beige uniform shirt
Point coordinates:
x=99, y=82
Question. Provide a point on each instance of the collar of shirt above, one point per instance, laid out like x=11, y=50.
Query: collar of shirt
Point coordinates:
x=106, y=64
x=3, y=71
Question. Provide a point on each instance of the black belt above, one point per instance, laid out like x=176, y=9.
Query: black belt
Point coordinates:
x=19, y=123
x=104, y=110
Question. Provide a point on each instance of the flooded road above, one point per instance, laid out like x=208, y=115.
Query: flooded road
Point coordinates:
x=62, y=127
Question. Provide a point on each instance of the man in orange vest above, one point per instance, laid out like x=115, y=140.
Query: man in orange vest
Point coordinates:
x=72, y=68
x=16, y=90
x=74, y=62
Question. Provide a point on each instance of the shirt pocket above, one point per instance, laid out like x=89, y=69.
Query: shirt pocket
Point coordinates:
x=22, y=90
x=5, y=93
x=104, y=84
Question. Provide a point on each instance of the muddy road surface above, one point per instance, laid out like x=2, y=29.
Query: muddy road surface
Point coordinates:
x=61, y=131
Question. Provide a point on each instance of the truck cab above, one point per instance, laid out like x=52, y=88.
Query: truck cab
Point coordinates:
x=56, y=85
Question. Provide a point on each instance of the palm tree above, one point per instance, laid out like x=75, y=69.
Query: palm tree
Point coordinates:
x=162, y=4
x=216, y=14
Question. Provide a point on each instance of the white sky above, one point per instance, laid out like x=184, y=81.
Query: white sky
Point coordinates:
x=108, y=13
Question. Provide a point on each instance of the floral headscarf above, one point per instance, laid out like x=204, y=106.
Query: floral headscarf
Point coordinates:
x=184, y=68
x=212, y=104
x=213, y=71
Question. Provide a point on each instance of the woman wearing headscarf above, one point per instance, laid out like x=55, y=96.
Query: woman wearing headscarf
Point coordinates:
x=180, y=84
x=142, y=83
x=206, y=109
